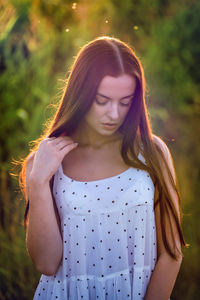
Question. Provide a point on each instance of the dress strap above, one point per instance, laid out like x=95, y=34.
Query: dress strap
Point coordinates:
x=60, y=168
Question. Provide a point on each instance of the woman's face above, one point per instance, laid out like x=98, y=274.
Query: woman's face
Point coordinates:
x=111, y=104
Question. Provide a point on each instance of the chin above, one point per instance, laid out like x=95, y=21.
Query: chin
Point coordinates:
x=108, y=132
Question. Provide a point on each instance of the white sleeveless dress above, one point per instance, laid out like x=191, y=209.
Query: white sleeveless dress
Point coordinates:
x=109, y=238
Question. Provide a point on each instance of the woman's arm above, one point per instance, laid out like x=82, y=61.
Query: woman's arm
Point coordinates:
x=43, y=239
x=166, y=269
x=163, y=278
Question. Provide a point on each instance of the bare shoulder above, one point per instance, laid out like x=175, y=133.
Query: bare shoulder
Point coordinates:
x=29, y=160
x=29, y=165
x=166, y=153
x=161, y=144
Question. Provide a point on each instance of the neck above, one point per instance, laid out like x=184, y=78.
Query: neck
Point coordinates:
x=89, y=138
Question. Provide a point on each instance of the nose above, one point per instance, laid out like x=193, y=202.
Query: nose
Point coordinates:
x=113, y=111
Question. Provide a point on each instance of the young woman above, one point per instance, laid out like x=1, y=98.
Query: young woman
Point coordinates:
x=103, y=210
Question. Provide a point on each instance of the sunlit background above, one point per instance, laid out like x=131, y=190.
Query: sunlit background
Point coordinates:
x=38, y=42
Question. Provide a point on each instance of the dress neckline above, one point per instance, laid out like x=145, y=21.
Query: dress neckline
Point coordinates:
x=93, y=181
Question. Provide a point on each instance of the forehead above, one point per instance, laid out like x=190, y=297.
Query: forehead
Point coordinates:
x=117, y=86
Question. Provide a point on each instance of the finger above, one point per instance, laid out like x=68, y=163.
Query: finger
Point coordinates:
x=66, y=149
x=53, y=140
x=61, y=138
x=50, y=138
x=63, y=143
x=46, y=140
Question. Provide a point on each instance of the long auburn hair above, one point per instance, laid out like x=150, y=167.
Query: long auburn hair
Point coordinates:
x=110, y=56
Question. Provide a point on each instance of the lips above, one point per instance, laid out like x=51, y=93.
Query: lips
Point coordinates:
x=110, y=124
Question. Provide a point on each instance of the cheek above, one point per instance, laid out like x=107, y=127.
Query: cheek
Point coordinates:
x=94, y=114
x=97, y=112
x=124, y=113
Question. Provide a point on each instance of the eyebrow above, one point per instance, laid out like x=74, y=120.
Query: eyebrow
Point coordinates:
x=119, y=99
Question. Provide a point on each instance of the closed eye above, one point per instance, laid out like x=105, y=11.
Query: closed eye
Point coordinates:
x=125, y=104
x=100, y=102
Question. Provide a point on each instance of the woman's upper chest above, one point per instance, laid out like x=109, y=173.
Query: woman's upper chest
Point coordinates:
x=87, y=165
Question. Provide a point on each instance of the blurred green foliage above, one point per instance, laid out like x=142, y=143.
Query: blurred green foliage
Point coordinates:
x=38, y=40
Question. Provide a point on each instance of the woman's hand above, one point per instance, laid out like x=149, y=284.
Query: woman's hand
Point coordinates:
x=49, y=156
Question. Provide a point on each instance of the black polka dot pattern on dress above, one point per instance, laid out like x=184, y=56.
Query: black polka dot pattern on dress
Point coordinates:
x=106, y=225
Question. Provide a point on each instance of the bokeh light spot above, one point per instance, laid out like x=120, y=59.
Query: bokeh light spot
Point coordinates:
x=21, y=113
x=74, y=5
